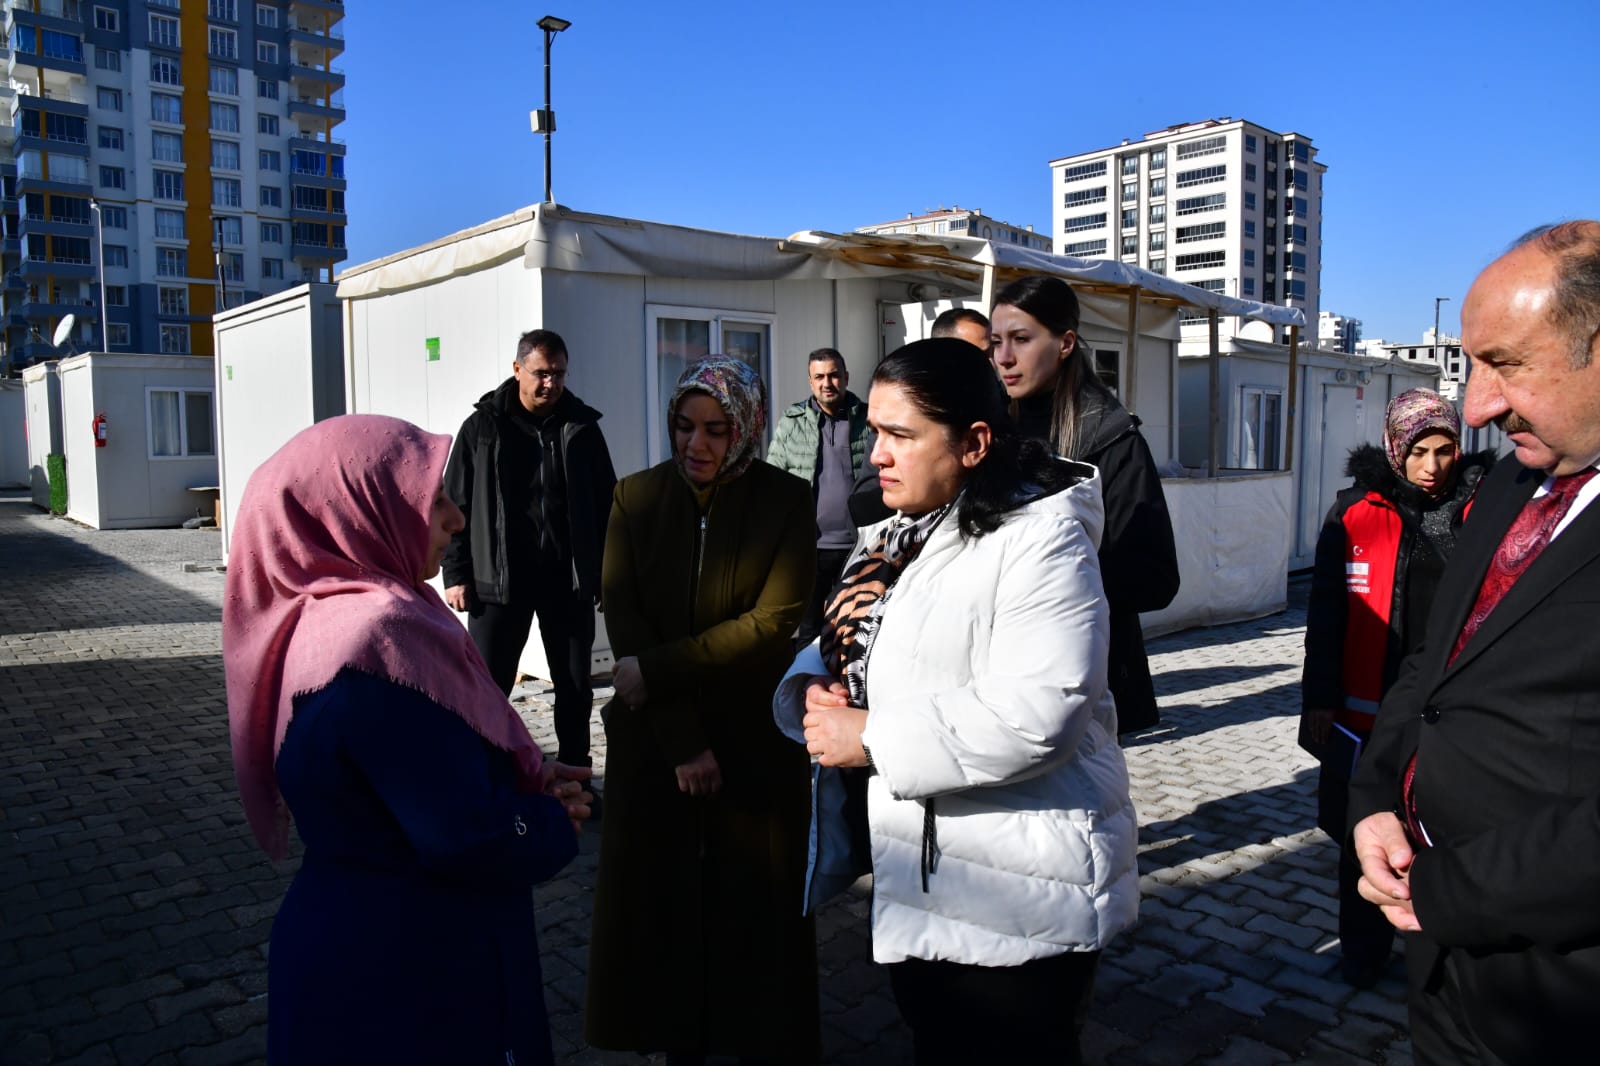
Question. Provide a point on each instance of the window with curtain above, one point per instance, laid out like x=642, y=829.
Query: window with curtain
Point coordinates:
x=166, y=431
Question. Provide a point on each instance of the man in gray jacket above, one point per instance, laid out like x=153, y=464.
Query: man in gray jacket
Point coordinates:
x=531, y=472
x=823, y=439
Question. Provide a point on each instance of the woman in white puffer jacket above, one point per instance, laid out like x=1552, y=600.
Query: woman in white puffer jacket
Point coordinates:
x=963, y=659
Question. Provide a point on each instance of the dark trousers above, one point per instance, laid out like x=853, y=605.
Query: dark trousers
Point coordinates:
x=1441, y=1031
x=566, y=626
x=961, y=1014
x=1365, y=935
x=830, y=564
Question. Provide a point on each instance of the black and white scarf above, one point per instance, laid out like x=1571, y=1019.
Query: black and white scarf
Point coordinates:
x=854, y=611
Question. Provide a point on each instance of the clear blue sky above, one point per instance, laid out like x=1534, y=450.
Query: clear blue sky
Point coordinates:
x=1447, y=128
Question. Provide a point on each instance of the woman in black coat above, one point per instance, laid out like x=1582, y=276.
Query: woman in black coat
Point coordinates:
x=1057, y=397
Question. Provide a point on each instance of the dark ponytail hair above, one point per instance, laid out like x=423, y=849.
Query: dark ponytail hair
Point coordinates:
x=951, y=382
x=1078, y=389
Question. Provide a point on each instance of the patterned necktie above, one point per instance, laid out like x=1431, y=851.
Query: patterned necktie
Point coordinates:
x=1523, y=542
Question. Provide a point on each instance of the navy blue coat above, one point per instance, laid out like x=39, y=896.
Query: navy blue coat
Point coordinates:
x=408, y=934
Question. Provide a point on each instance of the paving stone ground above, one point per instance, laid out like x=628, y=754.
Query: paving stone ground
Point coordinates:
x=135, y=909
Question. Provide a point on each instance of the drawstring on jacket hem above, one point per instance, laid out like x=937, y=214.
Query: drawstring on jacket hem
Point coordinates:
x=930, y=844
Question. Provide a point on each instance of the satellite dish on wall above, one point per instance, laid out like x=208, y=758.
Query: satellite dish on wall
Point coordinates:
x=64, y=330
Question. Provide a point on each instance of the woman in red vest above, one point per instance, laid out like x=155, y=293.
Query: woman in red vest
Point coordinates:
x=1379, y=557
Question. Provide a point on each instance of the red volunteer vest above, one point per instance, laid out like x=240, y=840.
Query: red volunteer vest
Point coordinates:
x=1371, y=545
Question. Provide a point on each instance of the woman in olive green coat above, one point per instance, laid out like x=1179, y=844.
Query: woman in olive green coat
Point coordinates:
x=699, y=945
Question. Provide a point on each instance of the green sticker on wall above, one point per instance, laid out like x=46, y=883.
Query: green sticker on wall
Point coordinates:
x=433, y=349
x=229, y=369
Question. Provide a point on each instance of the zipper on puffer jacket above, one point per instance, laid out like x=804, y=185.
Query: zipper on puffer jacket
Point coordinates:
x=930, y=843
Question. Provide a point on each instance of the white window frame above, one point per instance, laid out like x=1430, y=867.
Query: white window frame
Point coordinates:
x=164, y=70
x=222, y=42
x=165, y=31
x=267, y=16
x=166, y=232
x=118, y=335
x=1112, y=353
x=183, y=421
x=719, y=320
x=1242, y=460
x=175, y=256
x=108, y=19
x=267, y=52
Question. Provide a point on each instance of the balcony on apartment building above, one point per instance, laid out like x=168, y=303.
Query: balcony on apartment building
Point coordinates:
x=329, y=106
x=313, y=11
x=317, y=167
x=71, y=267
x=308, y=79
x=37, y=130
x=39, y=172
x=314, y=34
x=55, y=305
x=315, y=242
x=39, y=42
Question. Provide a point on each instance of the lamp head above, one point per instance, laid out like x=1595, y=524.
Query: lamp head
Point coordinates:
x=551, y=24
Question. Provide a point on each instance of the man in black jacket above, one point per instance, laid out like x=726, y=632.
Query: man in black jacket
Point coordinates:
x=531, y=471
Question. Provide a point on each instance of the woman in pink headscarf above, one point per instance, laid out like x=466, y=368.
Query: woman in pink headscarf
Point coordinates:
x=1379, y=558
x=357, y=702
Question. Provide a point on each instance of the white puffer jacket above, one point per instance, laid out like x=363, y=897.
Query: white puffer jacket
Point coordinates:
x=988, y=701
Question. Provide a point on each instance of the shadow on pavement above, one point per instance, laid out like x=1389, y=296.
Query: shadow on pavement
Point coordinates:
x=71, y=586
x=134, y=902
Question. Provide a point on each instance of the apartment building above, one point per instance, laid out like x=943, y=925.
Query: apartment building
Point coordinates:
x=181, y=153
x=962, y=223
x=1440, y=350
x=1223, y=204
x=1338, y=333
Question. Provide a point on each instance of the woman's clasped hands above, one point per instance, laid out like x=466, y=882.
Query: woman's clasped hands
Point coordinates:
x=833, y=727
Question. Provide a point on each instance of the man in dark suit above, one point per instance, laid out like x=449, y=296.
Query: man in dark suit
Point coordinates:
x=1477, y=804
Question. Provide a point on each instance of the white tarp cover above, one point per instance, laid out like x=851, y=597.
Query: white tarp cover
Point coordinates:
x=549, y=235
x=1109, y=272
x=1233, y=536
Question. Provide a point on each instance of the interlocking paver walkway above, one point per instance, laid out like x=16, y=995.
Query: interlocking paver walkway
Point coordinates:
x=135, y=909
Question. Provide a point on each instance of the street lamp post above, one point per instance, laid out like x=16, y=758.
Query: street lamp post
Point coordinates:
x=222, y=275
x=100, y=257
x=544, y=121
x=1437, y=360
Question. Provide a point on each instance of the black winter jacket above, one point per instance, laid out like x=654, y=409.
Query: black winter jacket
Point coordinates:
x=1138, y=559
x=1322, y=683
x=478, y=556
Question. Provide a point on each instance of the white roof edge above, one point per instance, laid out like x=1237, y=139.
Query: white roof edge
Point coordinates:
x=552, y=236
x=1108, y=271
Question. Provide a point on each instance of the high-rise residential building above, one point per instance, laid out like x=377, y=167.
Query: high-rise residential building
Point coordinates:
x=173, y=150
x=962, y=223
x=1338, y=333
x=1223, y=204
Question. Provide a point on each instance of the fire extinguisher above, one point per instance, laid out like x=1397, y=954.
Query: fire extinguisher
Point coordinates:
x=100, y=430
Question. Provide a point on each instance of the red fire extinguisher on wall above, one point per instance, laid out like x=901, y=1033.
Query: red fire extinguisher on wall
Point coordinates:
x=100, y=430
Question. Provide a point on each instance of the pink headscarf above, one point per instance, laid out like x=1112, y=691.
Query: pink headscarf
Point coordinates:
x=323, y=574
x=1412, y=415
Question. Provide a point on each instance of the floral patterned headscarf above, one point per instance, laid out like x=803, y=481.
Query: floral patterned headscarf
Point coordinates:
x=736, y=386
x=1412, y=415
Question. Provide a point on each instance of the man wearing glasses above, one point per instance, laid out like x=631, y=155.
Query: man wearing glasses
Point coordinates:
x=531, y=472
